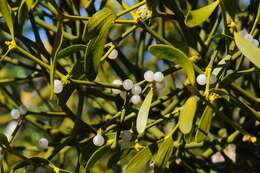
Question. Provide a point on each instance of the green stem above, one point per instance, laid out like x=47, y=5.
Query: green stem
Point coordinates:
x=130, y=9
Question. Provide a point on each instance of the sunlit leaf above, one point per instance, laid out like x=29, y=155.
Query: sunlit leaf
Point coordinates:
x=198, y=16
x=187, y=115
x=176, y=56
x=143, y=113
x=248, y=49
x=204, y=124
x=6, y=12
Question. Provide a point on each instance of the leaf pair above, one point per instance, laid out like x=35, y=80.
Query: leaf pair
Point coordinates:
x=96, y=31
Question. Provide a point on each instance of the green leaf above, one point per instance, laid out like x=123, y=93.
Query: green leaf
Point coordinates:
x=248, y=49
x=95, y=47
x=3, y=140
x=6, y=12
x=187, y=115
x=97, y=155
x=176, y=56
x=142, y=116
x=204, y=124
x=198, y=16
x=139, y=161
x=55, y=49
x=164, y=153
x=22, y=13
x=71, y=50
x=233, y=76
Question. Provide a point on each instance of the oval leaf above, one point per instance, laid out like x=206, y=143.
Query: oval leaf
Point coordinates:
x=187, y=114
x=198, y=16
x=142, y=116
x=176, y=56
x=204, y=124
x=248, y=49
x=6, y=12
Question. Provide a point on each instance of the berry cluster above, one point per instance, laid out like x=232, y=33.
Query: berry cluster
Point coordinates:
x=16, y=113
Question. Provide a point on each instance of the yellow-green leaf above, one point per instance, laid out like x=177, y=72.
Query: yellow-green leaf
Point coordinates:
x=198, y=16
x=187, y=114
x=138, y=162
x=204, y=124
x=176, y=56
x=142, y=116
x=6, y=12
x=248, y=49
x=164, y=153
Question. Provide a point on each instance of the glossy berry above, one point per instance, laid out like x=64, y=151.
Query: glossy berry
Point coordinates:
x=22, y=109
x=135, y=99
x=149, y=76
x=117, y=82
x=15, y=114
x=98, y=140
x=43, y=143
x=158, y=76
x=136, y=90
x=201, y=79
x=58, y=86
x=128, y=84
x=113, y=54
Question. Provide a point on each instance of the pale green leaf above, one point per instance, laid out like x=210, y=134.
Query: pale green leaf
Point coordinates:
x=198, y=16
x=6, y=12
x=248, y=49
x=187, y=115
x=204, y=124
x=176, y=56
x=142, y=116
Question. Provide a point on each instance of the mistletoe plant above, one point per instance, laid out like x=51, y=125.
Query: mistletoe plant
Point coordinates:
x=129, y=86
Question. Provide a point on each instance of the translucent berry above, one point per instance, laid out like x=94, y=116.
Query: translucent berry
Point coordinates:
x=113, y=54
x=136, y=90
x=158, y=76
x=98, y=140
x=43, y=143
x=136, y=99
x=15, y=114
x=128, y=84
x=149, y=76
x=58, y=86
x=22, y=109
x=201, y=79
x=117, y=82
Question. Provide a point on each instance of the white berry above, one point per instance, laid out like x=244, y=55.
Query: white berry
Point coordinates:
x=201, y=79
x=113, y=54
x=98, y=140
x=136, y=89
x=22, y=109
x=136, y=99
x=149, y=76
x=117, y=82
x=58, y=86
x=158, y=76
x=160, y=85
x=15, y=114
x=128, y=84
x=43, y=143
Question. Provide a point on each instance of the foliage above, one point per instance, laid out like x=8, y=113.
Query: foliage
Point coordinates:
x=58, y=65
